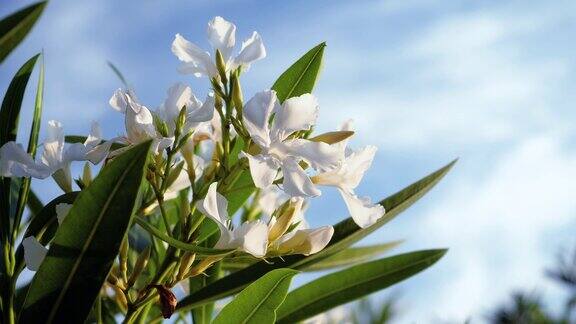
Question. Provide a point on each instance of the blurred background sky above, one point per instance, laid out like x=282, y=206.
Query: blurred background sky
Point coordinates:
x=491, y=82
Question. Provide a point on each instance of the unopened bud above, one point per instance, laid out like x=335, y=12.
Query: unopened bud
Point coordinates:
x=160, y=126
x=237, y=97
x=180, y=121
x=123, y=258
x=203, y=266
x=284, y=221
x=141, y=263
x=168, y=301
x=221, y=65
x=86, y=174
x=186, y=263
x=332, y=137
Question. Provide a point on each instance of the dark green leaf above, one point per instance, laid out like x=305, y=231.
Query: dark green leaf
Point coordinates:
x=301, y=76
x=9, y=115
x=32, y=147
x=352, y=256
x=15, y=27
x=347, y=285
x=81, y=139
x=118, y=74
x=86, y=243
x=346, y=233
x=258, y=302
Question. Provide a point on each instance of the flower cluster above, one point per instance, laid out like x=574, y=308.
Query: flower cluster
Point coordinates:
x=201, y=148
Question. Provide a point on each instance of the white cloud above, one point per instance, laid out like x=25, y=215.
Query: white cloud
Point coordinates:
x=497, y=228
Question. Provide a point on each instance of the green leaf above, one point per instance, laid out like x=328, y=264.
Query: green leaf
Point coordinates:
x=15, y=27
x=301, y=76
x=343, y=258
x=346, y=233
x=347, y=285
x=352, y=256
x=9, y=115
x=86, y=243
x=81, y=139
x=259, y=301
x=118, y=74
x=179, y=244
x=32, y=147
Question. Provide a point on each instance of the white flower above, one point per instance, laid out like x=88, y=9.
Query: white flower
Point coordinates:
x=250, y=237
x=346, y=178
x=55, y=159
x=179, y=96
x=139, y=121
x=222, y=37
x=34, y=253
x=280, y=151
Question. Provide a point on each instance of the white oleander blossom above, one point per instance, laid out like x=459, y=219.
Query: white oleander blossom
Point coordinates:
x=222, y=37
x=34, y=252
x=250, y=237
x=278, y=151
x=347, y=177
x=138, y=121
x=55, y=159
x=179, y=96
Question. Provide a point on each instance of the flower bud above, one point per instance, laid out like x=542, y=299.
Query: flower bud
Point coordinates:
x=167, y=300
x=284, y=221
x=332, y=137
x=86, y=174
x=221, y=65
x=123, y=258
x=63, y=179
x=180, y=121
x=186, y=263
x=160, y=126
x=141, y=263
x=237, y=93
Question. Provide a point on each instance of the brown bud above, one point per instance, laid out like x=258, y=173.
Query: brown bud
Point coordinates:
x=167, y=300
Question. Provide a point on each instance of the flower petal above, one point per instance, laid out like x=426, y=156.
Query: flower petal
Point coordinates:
x=296, y=181
x=62, y=210
x=257, y=113
x=307, y=241
x=197, y=61
x=215, y=206
x=320, y=156
x=297, y=113
x=363, y=211
x=139, y=124
x=15, y=162
x=263, y=169
x=222, y=36
x=34, y=253
x=53, y=145
x=252, y=50
x=203, y=113
x=252, y=238
x=178, y=96
x=118, y=101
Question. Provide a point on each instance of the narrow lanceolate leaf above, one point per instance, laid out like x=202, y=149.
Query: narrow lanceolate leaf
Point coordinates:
x=352, y=256
x=179, y=244
x=15, y=27
x=346, y=233
x=301, y=77
x=343, y=258
x=86, y=243
x=258, y=302
x=355, y=282
x=9, y=114
x=118, y=74
x=32, y=148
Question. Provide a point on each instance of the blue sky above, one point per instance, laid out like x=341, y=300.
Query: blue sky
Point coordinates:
x=426, y=81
